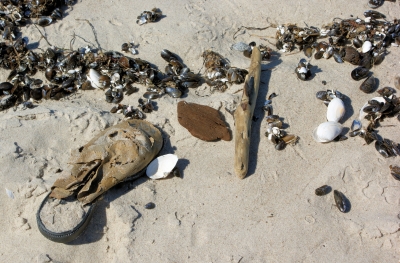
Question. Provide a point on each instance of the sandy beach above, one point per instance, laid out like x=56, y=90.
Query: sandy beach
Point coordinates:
x=209, y=215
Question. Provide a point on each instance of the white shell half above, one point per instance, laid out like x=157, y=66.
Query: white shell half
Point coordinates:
x=327, y=131
x=94, y=77
x=366, y=46
x=335, y=110
x=161, y=166
x=10, y=193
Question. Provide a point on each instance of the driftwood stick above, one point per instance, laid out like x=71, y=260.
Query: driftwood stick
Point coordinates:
x=244, y=113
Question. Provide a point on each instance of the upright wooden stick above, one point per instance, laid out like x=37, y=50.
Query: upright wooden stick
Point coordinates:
x=244, y=114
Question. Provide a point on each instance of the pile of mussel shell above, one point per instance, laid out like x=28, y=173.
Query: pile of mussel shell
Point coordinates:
x=149, y=16
x=14, y=14
x=371, y=114
x=275, y=132
x=359, y=42
x=219, y=73
x=331, y=129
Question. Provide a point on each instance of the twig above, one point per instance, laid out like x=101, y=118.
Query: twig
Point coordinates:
x=94, y=32
x=43, y=36
x=250, y=28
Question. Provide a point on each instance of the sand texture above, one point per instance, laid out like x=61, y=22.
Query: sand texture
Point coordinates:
x=209, y=215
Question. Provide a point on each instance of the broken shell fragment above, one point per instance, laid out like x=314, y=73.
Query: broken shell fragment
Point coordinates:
x=327, y=131
x=397, y=81
x=395, y=171
x=162, y=166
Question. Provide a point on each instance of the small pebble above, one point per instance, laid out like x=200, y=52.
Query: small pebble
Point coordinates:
x=324, y=82
x=150, y=205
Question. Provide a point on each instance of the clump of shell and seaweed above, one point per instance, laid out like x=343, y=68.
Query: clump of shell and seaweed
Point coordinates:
x=219, y=73
x=275, y=131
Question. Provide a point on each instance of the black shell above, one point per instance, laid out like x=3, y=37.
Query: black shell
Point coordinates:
x=340, y=200
x=351, y=55
x=369, y=85
x=359, y=73
x=357, y=43
x=323, y=190
x=150, y=205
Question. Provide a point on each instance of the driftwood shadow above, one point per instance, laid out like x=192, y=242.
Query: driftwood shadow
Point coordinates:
x=256, y=133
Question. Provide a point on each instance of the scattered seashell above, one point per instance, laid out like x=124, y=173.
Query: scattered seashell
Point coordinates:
x=327, y=131
x=10, y=193
x=369, y=85
x=335, y=110
x=323, y=190
x=340, y=200
x=150, y=205
x=356, y=125
x=162, y=166
x=94, y=78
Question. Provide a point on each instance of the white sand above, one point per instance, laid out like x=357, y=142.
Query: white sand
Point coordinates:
x=210, y=215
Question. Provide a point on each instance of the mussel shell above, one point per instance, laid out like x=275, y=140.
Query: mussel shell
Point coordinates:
x=36, y=94
x=367, y=61
x=381, y=147
x=366, y=47
x=375, y=3
x=151, y=95
x=341, y=201
x=327, y=131
x=322, y=95
x=356, y=125
x=351, y=55
x=280, y=145
x=44, y=21
x=359, y=73
x=369, y=85
x=357, y=43
x=150, y=205
x=5, y=87
x=168, y=55
x=395, y=171
x=323, y=190
x=386, y=91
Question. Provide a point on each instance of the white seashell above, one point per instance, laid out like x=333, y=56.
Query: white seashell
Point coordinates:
x=366, y=46
x=10, y=193
x=327, y=131
x=161, y=166
x=335, y=110
x=94, y=77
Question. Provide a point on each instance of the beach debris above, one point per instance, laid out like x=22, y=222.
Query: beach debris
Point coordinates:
x=241, y=46
x=323, y=190
x=395, y=171
x=386, y=91
x=264, y=50
x=369, y=85
x=375, y=3
x=302, y=70
x=359, y=73
x=203, y=122
x=10, y=193
x=327, y=131
x=150, y=205
x=114, y=155
x=179, y=77
x=335, y=110
x=275, y=133
x=219, y=73
x=149, y=16
x=162, y=166
x=129, y=47
x=397, y=81
x=341, y=201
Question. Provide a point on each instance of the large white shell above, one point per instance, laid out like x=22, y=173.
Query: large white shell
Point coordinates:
x=335, y=110
x=161, y=166
x=327, y=131
x=366, y=46
x=94, y=77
